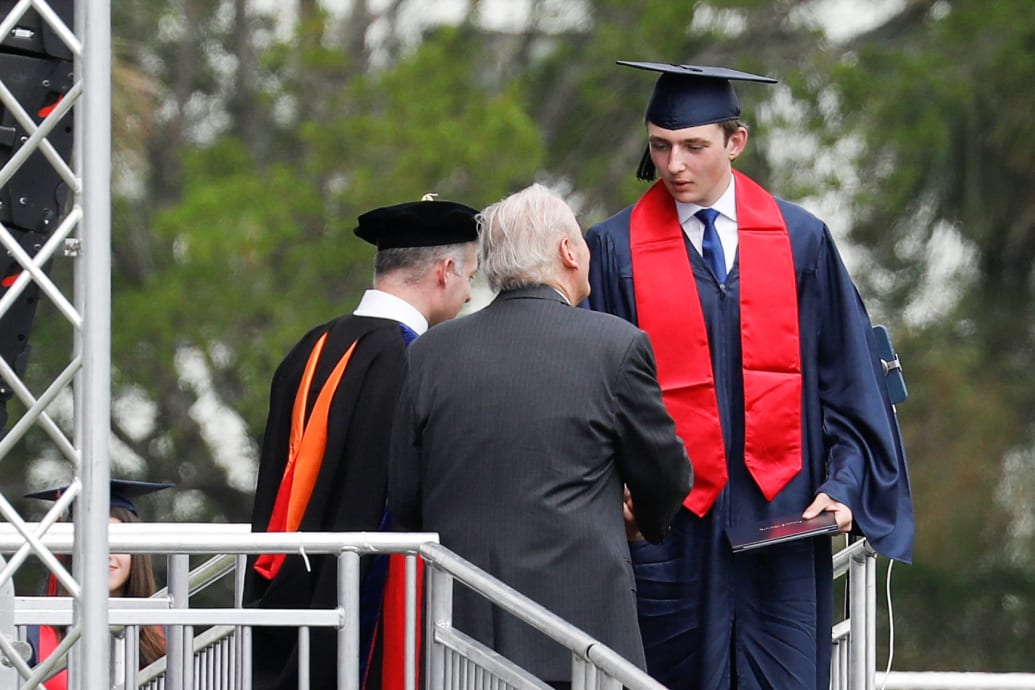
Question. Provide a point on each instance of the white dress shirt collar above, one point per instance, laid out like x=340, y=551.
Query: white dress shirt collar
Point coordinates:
x=383, y=305
x=726, y=205
x=725, y=223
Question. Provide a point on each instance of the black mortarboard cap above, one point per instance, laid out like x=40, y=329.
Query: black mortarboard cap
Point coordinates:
x=122, y=492
x=418, y=224
x=689, y=96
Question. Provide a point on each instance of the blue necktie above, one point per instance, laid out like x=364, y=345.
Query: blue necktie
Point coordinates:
x=711, y=247
x=409, y=335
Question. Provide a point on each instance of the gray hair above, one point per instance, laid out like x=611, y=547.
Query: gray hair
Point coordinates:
x=412, y=263
x=519, y=236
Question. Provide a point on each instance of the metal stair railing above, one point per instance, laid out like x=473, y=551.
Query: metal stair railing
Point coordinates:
x=453, y=657
x=939, y=680
x=219, y=659
x=853, y=661
x=853, y=658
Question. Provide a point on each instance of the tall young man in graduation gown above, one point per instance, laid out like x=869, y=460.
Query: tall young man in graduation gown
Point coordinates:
x=768, y=365
x=323, y=465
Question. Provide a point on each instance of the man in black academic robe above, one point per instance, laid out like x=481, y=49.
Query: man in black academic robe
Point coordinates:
x=427, y=253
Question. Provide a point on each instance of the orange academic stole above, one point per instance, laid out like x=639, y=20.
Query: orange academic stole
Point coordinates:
x=305, y=455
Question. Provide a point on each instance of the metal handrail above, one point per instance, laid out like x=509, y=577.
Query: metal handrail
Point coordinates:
x=544, y=620
x=208, y=573
x=853, y=655
x=205, y=538
x=854, y=550
x=594, y=665
x=939, y=680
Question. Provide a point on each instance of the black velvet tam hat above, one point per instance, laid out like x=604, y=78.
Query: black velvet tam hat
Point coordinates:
x=122, y=492
x=689, y=96
x=418, y=224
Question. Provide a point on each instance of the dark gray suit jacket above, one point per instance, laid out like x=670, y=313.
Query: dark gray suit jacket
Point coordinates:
x=516, y=428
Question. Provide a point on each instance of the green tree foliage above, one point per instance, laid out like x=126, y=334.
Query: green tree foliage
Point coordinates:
x=258, y=246
x=244, y=153
x=592, y=112
x=940, y=99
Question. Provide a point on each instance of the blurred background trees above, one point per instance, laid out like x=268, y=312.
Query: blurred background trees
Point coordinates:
x=249, y=135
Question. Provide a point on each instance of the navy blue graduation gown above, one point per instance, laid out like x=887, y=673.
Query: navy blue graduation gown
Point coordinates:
x=775, y=604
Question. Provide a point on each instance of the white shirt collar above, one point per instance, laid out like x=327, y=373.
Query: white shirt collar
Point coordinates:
x=726, y=205
x=384, y=305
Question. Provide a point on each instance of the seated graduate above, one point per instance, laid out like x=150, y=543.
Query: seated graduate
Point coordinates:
x=129, y=575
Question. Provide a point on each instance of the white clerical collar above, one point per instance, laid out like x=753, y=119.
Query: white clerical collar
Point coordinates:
x=384, y=305
x=726, y=205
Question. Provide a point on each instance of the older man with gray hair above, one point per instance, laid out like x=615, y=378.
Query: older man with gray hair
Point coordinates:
x=518, y=428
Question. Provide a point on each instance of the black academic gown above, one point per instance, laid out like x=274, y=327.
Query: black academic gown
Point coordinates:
x=349, y=494
x=694, y=594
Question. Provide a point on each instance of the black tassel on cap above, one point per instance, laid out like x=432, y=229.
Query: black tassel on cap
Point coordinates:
x=645, y=170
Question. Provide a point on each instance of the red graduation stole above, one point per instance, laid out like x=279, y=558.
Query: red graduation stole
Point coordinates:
x=305, y=455
x=393, y=616
x=669, y=310
x=48, y=642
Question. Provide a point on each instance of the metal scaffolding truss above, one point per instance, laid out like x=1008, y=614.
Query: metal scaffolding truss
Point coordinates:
x=55, y=204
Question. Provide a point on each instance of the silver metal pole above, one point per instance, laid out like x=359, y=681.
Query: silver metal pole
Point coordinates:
x=179, y=588
x=117, y=644
x=242, y=645
x=857, y=610
x=871, y=619
x=348, y=634
x=411, y=622
x=132, y=658
x=187, y=649
x=8, y=674
x=843, y=651
x=303, y=658
x=439, y=594
x=246, y=657
x=835, y=666
x=94, y=21
x=579, y=674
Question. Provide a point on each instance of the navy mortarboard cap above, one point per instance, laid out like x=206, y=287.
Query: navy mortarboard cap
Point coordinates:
x=692, y=95
x=689, y=96
x=426, y=223
x=122, y=492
